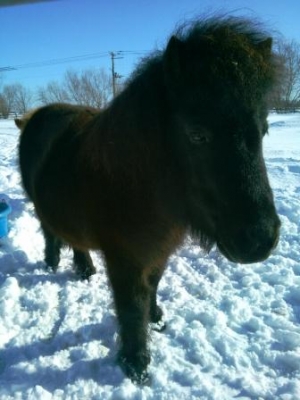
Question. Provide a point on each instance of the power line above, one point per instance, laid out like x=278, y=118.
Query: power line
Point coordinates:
x=84, y=57
x=38, y=64
x=5, y=69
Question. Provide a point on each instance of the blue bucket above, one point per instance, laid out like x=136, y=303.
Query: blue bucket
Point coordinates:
x=5, y=209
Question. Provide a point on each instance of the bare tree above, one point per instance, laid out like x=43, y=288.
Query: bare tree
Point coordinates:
x=15, y=98
x=287, y=93
x=23, y=100
x=4, y=108
x=91, y=87
x=52, y=93
x=73, y=87
x=7, y=100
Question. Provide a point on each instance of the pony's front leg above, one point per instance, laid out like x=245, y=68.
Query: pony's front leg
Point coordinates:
x=132, y=301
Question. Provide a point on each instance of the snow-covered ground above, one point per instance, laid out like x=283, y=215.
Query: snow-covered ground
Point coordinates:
x=233, y=330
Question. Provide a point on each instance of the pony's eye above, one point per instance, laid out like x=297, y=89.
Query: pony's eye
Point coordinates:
x=198, y=138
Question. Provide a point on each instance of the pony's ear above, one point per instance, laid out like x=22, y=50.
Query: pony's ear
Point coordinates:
x=173, y=57
x=19, y=123
x=265, y=46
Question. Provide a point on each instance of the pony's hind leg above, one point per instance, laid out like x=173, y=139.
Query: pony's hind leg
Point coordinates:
x=156, y=313
x=52, y=249
x=83, y=264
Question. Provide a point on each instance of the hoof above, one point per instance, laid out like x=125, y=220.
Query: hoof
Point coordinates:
x=52, y=263
x=86, y=274
x=159, y=326
x=135, y=368
x=156, y=316
x=51, y=268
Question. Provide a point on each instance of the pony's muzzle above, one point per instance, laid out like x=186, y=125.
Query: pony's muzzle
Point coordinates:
x=251, y=244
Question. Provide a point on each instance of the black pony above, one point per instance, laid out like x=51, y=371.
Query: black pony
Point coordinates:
x=178, y=151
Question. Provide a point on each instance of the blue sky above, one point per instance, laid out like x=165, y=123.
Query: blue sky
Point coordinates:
x=62, y=29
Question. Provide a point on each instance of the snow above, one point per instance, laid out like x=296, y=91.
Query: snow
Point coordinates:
x=233, y=330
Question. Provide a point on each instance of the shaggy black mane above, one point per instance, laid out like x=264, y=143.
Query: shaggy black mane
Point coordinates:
x=192, y=31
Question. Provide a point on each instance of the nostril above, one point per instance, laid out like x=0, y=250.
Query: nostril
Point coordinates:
x=267, y=240
x=253, y=243
x=275, y=242
x=273, y=234
x=257, y=242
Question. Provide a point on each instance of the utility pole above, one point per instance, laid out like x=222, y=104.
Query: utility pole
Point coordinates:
x=114, y=74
